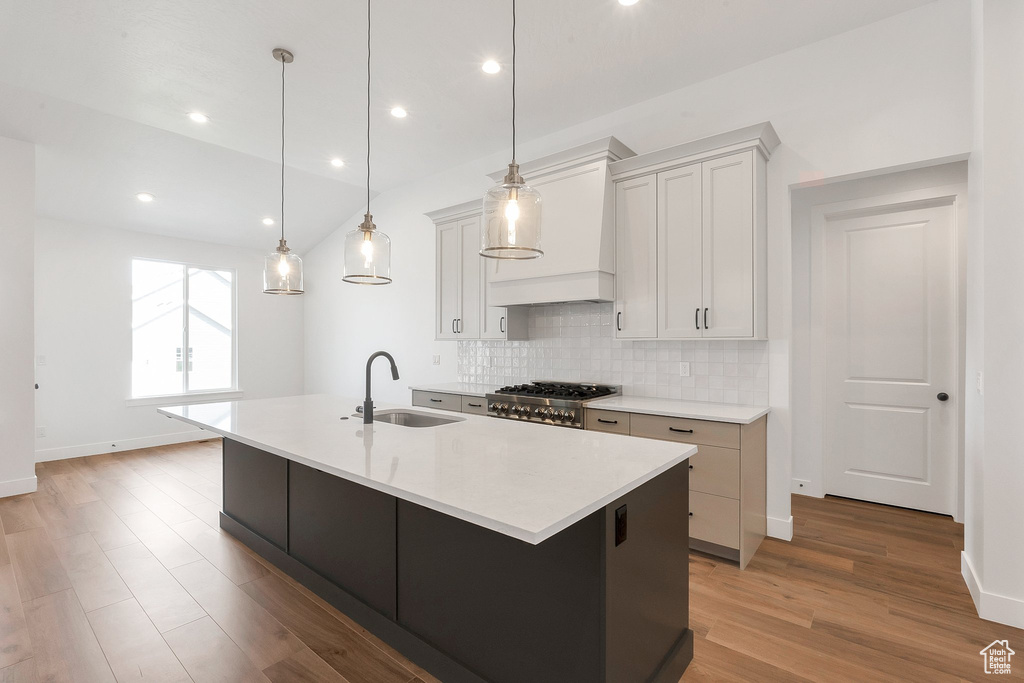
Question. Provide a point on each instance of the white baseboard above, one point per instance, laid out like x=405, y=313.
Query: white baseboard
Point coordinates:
x=115, y=446
x=991, y=607
x=16, y=487
x=781, y=528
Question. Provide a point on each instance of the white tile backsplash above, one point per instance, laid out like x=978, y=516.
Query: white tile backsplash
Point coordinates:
x=576, y=343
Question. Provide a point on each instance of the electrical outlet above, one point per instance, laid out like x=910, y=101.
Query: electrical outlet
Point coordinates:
x=437, y=359
x=40, y=432
x=684, y=369
x=980, y=383
x=40, y=360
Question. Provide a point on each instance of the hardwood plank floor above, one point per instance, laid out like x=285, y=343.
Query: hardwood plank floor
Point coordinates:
x=117, y=567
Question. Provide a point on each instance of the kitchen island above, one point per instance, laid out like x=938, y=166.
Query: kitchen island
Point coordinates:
x=482, y=549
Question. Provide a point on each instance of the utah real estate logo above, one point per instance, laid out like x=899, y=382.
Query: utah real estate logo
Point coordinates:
x=997, y=657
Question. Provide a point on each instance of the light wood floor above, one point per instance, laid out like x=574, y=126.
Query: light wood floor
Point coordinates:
x=115, y=569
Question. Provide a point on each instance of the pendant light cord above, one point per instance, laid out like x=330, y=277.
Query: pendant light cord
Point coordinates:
x=367, y=106
x=282, y=148
x=513, y=81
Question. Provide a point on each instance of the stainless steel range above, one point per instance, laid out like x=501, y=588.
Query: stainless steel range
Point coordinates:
x=557, y=403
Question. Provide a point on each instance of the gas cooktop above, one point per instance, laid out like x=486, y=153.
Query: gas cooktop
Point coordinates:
x=558, y=403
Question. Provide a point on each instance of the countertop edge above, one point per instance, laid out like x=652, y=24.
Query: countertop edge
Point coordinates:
x=531, y=537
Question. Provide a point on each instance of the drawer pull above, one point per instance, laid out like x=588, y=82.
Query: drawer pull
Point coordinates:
x=436, y=400
x=691, y=467
x=684, y=431
x=607, y=422
x=691, y=514
x=475, y=405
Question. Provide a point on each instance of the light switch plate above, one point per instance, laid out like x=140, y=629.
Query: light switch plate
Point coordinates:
x=437, y=359
x=40, y=360
x=684, y=369
x=40, y=432
x=980, y=383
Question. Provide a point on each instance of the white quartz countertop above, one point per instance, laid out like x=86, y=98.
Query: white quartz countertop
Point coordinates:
x=464, y=388
x=528, y=481
x=696, y=410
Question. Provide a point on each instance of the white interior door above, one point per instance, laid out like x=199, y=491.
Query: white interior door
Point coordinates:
x=891, y=356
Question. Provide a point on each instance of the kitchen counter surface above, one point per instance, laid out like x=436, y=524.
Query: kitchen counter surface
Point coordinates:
x=696, y=410
x=528, y=481
x=464, y=388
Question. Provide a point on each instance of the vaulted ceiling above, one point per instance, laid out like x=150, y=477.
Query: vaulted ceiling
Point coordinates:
x=104, y=88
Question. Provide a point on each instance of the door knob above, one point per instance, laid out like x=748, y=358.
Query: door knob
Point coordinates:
x=943, y=396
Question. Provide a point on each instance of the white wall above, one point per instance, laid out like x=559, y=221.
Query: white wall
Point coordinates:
x=83, y=328
x=17, y=215
x=993, y=558
x=887, y=94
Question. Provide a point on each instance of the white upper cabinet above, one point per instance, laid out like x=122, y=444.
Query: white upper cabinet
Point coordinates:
x=462, y=310
x=690, y=232
x=636, y=254
x=680, y=239
x=728, y=246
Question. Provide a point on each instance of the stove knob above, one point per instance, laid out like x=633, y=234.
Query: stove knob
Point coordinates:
x=569, y=416
x=548, y=413
x=492, y=407
x=503, y=407
x=559, y=414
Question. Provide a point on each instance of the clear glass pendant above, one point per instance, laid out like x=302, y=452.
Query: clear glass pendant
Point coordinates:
x=282, y=272
x=367, y=255
x=511, y=219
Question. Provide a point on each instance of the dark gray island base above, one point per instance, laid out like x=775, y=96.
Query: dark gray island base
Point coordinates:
x=471, y=605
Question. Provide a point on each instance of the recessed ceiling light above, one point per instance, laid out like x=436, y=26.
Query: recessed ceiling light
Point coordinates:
x=199, y=117
x=491, y=67
x=144, y=197
x=268, y=221
x=337, y=163
x=399, y=113
x=627, y=3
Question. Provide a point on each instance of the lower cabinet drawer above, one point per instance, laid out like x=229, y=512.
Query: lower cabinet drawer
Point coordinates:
x=435, y=399
x=607, y=421
x=474, y=404
x=715, y=519
x=716, y=470
x=707, y=432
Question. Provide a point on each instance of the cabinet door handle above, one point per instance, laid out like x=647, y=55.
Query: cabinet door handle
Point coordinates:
x=607, y=422
x=691, y=467
x=475, y=405
x=453, y=326
x=458, y=326
x=682, y=431
x=696, y=318
x=501, y=325
x=436, y=400
x=691, y=514
x=618, y=321
x=705, y=318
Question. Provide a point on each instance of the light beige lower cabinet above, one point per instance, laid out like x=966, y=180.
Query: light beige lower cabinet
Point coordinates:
x=727, y=476
x=460, y=403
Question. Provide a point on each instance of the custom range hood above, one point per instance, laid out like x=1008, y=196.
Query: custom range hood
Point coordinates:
x=577, y=230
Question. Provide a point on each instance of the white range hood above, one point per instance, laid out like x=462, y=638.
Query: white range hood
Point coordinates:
x=577, y=230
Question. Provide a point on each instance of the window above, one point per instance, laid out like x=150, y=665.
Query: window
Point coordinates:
x=183, y=329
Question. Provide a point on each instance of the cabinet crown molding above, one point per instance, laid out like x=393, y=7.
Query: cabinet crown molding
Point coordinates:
x=761, y=137
x=608, y=149
x=457, y=212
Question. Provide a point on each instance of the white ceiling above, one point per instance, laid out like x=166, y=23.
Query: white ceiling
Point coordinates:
x=104, y=86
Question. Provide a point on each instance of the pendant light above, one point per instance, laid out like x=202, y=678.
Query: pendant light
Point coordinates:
x=511, y=210
x=367, y=250
x=282, y=270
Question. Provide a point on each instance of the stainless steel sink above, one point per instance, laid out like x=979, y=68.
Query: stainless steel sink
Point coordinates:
x=411, y=418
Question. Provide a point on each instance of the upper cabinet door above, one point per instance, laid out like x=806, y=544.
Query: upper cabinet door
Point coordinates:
x=680, y=261
x=471, y=283
x=448, y=278
x=493, y=320
x=728, y=236
x=636, y=258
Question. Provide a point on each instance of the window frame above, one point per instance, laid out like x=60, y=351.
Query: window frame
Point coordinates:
x=188, y=395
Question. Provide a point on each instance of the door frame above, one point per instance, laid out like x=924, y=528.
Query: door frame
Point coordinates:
x=954, y=195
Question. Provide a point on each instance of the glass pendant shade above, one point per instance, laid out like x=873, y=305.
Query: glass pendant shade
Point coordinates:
x=511, y=220
x=367, y=255
x=282, y=272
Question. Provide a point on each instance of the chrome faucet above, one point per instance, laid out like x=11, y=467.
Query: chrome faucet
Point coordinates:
x=368, y=402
